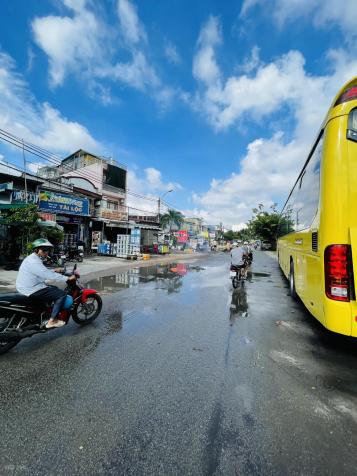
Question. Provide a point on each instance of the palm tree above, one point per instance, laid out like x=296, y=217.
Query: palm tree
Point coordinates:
x=172, y=217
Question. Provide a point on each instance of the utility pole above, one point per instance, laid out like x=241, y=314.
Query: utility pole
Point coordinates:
x=159, y=203
x=158, y=210
x=23, y=156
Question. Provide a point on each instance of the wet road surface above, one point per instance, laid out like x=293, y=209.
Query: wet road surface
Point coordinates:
x=182, y=375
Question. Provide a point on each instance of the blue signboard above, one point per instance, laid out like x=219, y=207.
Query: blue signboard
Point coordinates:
x=54, y=202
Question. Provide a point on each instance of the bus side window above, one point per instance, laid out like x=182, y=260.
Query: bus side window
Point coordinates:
x=309, y=190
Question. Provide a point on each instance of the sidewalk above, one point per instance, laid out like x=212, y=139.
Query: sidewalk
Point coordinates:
x=104, y=265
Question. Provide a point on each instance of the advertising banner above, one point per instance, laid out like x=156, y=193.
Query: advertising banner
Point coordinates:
x=182, y=236
x=96, y=238
x=54, y=202
x=19, y=196
x=47, y=216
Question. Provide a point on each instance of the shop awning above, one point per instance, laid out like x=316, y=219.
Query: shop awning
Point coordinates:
x=49, y=224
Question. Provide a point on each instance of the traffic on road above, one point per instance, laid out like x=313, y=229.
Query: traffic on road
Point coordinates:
x=183, y=374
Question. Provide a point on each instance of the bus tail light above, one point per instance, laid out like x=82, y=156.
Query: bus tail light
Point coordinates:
x=338, y=272
x=347, y=95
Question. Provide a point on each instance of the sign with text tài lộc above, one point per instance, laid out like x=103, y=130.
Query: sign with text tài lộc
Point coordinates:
x=54, y=202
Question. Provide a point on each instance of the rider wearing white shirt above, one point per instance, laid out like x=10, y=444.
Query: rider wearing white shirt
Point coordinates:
x=31, y=281
x=237, y=256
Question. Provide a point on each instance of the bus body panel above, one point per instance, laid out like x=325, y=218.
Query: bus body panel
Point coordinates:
x=335, y=223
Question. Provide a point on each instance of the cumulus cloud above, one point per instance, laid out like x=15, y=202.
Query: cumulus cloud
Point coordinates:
x=39, y=123
x=205, y=67
x=82, y=44
x=323, y=13
x=151, y=184
x=270, y=165
x=72, y=44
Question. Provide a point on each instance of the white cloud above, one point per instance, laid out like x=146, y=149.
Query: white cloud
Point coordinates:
x=33, y=167
x=172, y=54
x=154, y=181
x=323, y=13
x=83, y=45
x=73, y=45
x=270, y=165
x=132, y=30
x=205, y=67
x=150, y=184
x=35, y=122
x=252, y=62
x=137, y=73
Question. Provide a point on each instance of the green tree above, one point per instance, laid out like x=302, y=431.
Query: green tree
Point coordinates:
x=171, y=218
x=26, y=221
x=264, y=224
x=229, y=235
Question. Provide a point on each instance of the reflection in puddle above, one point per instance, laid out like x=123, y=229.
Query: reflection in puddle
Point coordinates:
x=239, y=305
x=167, y=277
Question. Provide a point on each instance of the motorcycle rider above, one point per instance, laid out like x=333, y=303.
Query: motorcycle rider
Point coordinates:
x=31, y=279
x=249, y=251
x=238, y=255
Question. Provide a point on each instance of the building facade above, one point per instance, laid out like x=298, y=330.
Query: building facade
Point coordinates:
x=103, y=183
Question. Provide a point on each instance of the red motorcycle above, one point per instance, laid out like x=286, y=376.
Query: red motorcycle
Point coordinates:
x=21, y=316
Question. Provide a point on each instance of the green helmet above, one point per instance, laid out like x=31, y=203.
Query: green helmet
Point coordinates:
x=41, y=242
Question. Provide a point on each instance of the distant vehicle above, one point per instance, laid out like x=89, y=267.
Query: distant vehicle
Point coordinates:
x=265, y=245
x=317, y=248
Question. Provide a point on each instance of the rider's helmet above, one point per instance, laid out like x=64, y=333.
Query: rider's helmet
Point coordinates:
x=41, y=243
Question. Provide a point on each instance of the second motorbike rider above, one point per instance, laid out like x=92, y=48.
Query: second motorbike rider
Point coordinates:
x=32, y=276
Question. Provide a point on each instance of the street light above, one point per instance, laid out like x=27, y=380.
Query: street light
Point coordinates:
x=159, y=202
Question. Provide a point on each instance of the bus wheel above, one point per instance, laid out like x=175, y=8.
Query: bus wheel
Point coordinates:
x=292, y=281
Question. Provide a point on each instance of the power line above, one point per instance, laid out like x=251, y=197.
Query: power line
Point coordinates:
x=57, y=161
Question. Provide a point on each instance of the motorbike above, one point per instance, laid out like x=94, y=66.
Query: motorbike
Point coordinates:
x=75, y=253
x=21, y=316
x=238, y=274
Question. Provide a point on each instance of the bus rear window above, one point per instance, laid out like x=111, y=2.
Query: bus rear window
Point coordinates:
x=352, y=125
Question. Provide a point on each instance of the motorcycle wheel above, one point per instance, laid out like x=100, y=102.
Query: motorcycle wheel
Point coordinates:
x=5, y=342
x=80, y=259
x=235, y=282
x=86, y=312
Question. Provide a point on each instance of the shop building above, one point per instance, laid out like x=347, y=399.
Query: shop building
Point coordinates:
x=103, y=183
x=151, y=235
x=193, y=226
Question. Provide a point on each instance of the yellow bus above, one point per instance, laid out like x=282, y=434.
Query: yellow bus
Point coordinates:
x=317, y=233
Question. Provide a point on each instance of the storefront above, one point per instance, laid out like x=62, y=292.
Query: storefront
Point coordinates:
x=71, y=212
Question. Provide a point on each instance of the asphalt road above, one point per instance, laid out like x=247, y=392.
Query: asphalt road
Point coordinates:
x=182, y=375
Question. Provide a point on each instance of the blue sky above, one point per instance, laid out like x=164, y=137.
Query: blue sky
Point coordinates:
x=219, y=100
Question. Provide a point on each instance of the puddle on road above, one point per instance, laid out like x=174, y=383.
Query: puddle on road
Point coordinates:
x=261, y=275
x=167, y=277
x=239, y=305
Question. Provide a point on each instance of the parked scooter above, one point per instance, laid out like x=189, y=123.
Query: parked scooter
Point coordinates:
x=75, y=253
x=56, y=258
x=23, y=317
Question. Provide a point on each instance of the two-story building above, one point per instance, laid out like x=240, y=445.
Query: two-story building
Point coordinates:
x=103, y=182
